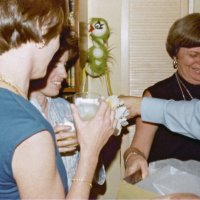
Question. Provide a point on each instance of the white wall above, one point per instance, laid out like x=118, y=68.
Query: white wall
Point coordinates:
x=111, y=11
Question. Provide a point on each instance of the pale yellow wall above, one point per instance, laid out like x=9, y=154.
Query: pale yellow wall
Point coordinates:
x=111, y=11
x=196, y=6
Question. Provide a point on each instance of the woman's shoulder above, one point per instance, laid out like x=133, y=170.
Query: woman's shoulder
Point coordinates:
x=60, y=100
x=165, y=82
x=61, y=105
x=164, y=88
x=20, y=119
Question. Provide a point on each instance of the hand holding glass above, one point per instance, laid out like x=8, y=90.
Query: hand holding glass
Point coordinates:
x=63, y=125
x=65, y=136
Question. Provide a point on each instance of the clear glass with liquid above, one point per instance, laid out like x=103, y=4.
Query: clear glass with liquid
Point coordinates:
x=87, y=104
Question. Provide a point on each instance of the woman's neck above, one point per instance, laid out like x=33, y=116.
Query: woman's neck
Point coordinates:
x=187, y=78
x=7, y=84
x=16, y=68
x=42, y=101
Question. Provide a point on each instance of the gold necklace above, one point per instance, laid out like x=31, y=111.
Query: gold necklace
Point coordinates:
x=180, y=84
x=14, y=88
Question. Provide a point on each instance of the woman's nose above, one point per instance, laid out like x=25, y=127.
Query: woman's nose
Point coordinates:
x=63, y=72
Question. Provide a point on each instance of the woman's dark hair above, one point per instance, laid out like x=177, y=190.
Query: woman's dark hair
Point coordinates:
x=23, y=21
x=185, y=32
x=68, y=42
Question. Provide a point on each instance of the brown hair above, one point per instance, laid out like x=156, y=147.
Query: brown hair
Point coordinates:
x=22, y=21
x=68, y=42
x=185, y=32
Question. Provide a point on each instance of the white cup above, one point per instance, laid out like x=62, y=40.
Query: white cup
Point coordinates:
x=87, y=104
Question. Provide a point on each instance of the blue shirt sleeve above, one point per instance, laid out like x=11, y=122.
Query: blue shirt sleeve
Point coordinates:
x=179, y=116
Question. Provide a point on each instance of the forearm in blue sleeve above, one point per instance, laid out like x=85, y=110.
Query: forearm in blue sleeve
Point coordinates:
x=179, y=116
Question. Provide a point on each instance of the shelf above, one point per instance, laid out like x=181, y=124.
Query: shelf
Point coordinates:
x=73, y=18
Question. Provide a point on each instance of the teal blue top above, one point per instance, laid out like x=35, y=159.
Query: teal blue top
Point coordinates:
x=19, y=120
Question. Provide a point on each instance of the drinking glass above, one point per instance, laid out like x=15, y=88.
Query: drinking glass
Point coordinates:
x=60, y=115
x=87, y=104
